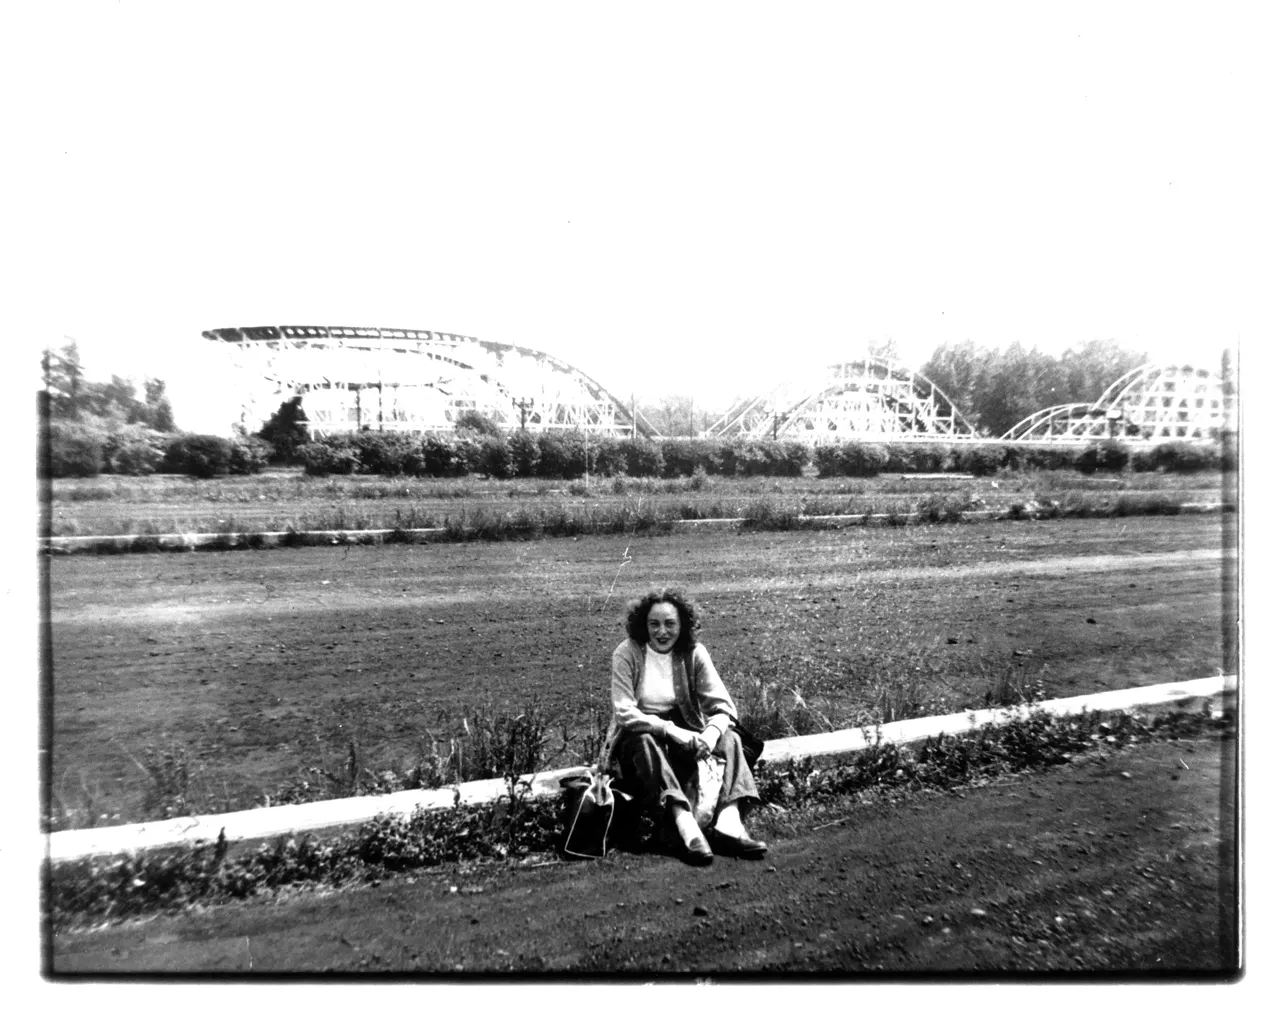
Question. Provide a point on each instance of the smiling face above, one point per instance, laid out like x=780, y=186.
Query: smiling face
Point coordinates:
x=664, y=627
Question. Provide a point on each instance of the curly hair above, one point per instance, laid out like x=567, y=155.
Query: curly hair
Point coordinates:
x=637, y=622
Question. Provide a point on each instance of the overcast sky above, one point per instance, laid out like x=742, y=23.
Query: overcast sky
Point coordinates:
x=675, y=198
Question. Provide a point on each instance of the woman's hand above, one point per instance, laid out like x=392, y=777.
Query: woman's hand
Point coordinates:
x=688, y=741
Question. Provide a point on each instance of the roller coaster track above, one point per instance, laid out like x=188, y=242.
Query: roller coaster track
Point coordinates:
x=863, y=398
x=1154, y=402
x=330, y=366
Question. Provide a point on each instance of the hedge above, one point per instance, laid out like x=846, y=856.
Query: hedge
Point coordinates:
x=213, y=456
x=1111, y=456
x=565, y=455
x=74, y=450
x=90, y=448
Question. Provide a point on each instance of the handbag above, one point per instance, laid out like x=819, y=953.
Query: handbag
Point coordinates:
x=752, y=746
x=589, y=807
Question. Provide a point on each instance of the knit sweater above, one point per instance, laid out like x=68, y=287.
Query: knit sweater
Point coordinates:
x=709, y=706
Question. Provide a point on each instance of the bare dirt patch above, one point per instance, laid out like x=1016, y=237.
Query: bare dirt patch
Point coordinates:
x=257, y=664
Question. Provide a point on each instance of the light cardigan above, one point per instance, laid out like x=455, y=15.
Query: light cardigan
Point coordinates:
x=709, y=707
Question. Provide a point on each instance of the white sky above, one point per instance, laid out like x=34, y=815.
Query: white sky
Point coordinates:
x=675, y=198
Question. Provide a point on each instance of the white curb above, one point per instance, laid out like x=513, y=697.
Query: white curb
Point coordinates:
x=919, y=729
x=251, y=824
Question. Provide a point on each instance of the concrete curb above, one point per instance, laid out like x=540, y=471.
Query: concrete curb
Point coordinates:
x=246, y=825
x=238, y=541
x=832, y=744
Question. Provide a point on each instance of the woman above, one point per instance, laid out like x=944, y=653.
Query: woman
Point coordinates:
x=665, y=721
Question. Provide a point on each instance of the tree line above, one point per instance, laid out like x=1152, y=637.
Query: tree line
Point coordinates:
x=93, y=427
x=995, y=389
x=69, y=396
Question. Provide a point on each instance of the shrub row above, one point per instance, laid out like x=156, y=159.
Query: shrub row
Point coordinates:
x=213, y=456
x=79, y=450
x=76, y=449
x=866, y=459
x=550, y=455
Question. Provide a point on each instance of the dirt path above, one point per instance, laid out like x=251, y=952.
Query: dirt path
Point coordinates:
x=1116, y=864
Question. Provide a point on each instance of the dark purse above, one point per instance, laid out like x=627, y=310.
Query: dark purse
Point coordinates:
x=591, y=811
x=752, y=746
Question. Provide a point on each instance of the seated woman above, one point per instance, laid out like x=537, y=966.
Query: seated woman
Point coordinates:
x=666, y=719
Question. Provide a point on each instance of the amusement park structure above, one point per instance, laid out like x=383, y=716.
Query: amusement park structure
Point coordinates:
x=414, y=380
x=871, y=397
x=875, y=399
x=1151, y=403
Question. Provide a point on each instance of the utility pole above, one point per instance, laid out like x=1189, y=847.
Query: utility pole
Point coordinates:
x=524, y=405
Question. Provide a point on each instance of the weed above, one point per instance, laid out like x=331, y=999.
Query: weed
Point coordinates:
x=169, y=781
x=1010, y=685
x=79, y=808
x=772, y=710
x=97, y=889
x=767, y=514
x=944, y=508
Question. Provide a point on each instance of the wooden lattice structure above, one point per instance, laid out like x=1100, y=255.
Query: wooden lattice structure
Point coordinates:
x=1151, y=403
x=414, y=380
x=868, y=398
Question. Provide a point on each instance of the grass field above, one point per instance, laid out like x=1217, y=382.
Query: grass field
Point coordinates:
x=283, y=500
x=215, y=680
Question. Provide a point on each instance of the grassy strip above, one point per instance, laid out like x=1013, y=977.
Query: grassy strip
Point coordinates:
x=294, y=487
x=479, y=743
x=574, y=520
x=95, y=890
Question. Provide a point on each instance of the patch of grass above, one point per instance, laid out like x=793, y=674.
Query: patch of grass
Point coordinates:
x=358, y=503
x=1036, y=740
x=770, y=514
x=946, y=508
x=772, y=710
x=93, y=493
x=94, y=890
x=1010, y=685
x=1146, y=505
x=480, y=742
x=173, y=785
x=78, y=807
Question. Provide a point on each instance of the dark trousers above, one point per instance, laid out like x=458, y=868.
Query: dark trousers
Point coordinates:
x=659, y=772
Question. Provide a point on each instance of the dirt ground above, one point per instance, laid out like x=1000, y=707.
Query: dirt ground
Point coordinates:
x=1119, y=863
x=257, y=664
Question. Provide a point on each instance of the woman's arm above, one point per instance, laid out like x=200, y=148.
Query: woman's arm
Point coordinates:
x=714, y=701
